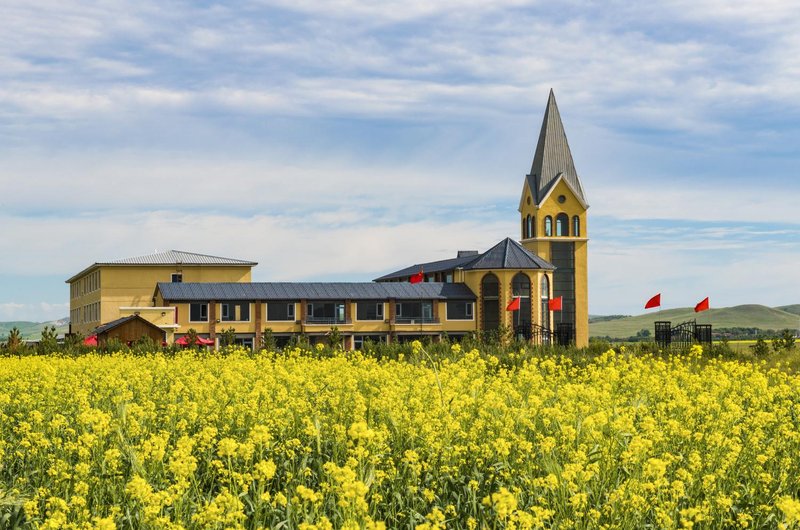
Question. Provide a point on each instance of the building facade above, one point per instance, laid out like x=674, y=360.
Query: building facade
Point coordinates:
x=106, y=291
x=178, y=291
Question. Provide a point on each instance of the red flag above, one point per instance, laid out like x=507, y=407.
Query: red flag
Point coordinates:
x=701, y=306
x=555, y=303
x=653, y=302
x=514, y=305
x=417, y=278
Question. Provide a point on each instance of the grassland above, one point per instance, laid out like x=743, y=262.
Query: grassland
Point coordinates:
x=742, y=316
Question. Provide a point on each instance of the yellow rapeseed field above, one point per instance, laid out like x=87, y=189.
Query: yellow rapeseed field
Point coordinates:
x=298, y=440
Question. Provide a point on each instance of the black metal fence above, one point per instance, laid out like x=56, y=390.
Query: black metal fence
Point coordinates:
x=682, y=335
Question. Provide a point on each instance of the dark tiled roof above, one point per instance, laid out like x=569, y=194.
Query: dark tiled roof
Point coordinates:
x=175, y=292
x=508, y=254
x=553, y=157
x=428, y=268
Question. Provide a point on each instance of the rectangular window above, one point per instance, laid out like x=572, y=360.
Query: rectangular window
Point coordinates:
x=369, y=310
x=198, y=313
x=235, y=312
x=459, y=310
x=326, y=313
x=177, y=277
x=448, y=278
x=360, y=341
x=417, y=312
x=280, y=311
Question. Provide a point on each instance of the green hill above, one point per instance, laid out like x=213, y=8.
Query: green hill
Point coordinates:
x=33, y=330
x=794, y=309
x=740, y=316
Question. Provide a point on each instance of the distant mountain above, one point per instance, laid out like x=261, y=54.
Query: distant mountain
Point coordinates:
x=740, y=316
x=33, y=330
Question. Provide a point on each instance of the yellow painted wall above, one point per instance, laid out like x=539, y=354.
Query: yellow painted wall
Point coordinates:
x=540, y=245
x=474, y=278
x=134, y=285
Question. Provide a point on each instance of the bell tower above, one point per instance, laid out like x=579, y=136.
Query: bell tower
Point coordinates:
x=553, y=221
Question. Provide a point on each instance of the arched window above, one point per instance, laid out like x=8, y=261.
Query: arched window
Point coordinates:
x=529, y=225
x=562, y=225
x=521, y=287
x=576, y=226
x=548, y=226
x=544, y=288
x=524, y=227
x=490, y=302
x=533, y=226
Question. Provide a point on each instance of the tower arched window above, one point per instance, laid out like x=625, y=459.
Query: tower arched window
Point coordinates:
x=548, y=226
x=524, y=228
x=562, y=225
x=529, y=227
x=576, y=226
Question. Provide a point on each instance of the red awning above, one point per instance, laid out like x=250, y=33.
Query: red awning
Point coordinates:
x=183, y=341
x=91, y=340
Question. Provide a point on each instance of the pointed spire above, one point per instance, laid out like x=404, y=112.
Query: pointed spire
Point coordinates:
x=552, y=157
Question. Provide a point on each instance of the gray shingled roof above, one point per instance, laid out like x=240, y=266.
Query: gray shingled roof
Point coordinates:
x=552, y=157
x=180, y=292
x=169, y=257
x=508, y=254
x=430, y=267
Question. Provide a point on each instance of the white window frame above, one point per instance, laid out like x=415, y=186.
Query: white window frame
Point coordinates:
x=290, y=312
x=202, y=304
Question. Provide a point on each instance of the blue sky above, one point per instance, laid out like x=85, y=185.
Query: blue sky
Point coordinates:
x=345, y=139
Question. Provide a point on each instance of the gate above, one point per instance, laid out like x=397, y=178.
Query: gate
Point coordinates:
x=683, y=335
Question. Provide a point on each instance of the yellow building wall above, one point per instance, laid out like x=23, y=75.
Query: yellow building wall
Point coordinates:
x=473, y=280
x=134, y=285
x=356, y=327
x=540, y=245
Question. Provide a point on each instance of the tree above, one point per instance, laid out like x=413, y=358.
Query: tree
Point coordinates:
x=268, y=340
x=335, y=338
x=788, y=339
x=14, y=342
x=191, y=338
x=760, y=348
x=227, y=337
x=49, y=341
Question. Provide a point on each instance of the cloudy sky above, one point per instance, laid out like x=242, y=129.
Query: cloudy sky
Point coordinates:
x=340, y=140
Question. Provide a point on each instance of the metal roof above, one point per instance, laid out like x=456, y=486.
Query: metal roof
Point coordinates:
x=430, y=267
x=169, y=257
x=553, y=157
x=176, y=292
x=508, y=254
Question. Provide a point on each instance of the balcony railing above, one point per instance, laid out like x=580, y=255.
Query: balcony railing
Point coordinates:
x=416, y=320
x=327, y=321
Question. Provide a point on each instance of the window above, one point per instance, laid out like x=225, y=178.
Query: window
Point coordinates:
x=198, y=313
x=448, y=277
x=459, y=310
x=529, y=227
x=325, y=312
x=576, y=226
x=177, y=277
x=562, y=225
x=548, y=226
x=280, y=311
x=416, y=312
x=235, y=312
x=361, y=342
x=369, y=310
